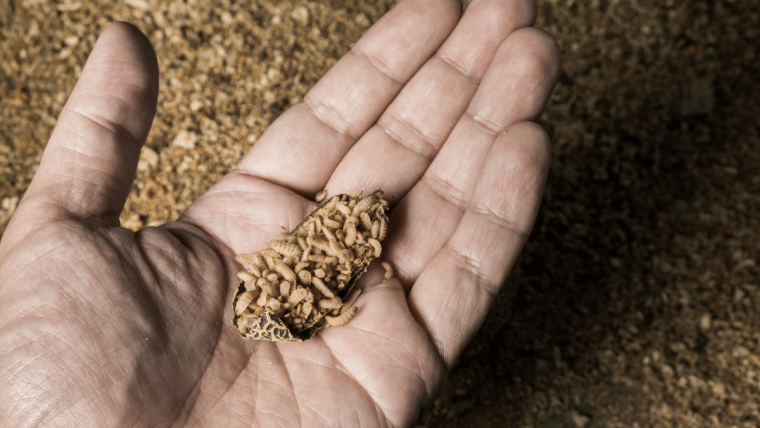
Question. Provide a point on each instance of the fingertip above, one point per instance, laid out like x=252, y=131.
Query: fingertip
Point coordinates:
x=119, y=32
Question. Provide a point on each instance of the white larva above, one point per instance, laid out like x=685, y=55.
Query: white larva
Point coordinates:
x=286, y=249
x=383, y=232
x=322, y=287
x=363, y=205
x=388, y=270
x=342, y=318
x=376, y=245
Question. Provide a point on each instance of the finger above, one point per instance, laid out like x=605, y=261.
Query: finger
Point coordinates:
x=517, y=86
x=418, y=122
x=453, y=294
x=89, y=163
x=302, y=147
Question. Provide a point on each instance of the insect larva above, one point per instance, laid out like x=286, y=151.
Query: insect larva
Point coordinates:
x=375, y=228
x=359, y=251
x=317, y=258
x=285, y=289
x=285, y=237
x=285, y=271
x=247, y=278
x=297, y=296
x=265, y=286
x=322, y=244
x=270, y=262
x=383, y=228
x=328, y=234
x=329, y=206
x=305, y=255
x=319, y=197
x=302, y=243
x=365, y=220
x=306, y=309
x=342, y=318
x=262, y=282
x=269, y=252
x=319, y=273
x=262, y=298
x=363, y=205
x=350, y=234
x=257, y=311
x=286, y=249
x=331, y=261
x=245, y=323
x=347, y=255
x=343, y=208
x=319, y=285
x=339, y=235
x=304, y=277
x=376, y=245
x=333, y=303
x=388, y=270
x=250, y=260
x=301, y=266
x=244, y=300
x=330, y=223
x=318, y=224
x=272, y=277
x=255, y=271
x=273, y=303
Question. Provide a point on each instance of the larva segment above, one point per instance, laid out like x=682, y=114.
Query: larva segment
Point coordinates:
x=322, y=287
x=297, y=296
x=301, y=280
x=285, y=271
x=333, y=303
x=247, y=278
x=350, y=234
x=287, y=249
x=366, y=222
x=388, y=270
x=363, y=205
x=285, y=237
x=342, y=318
x=319, y=197
x=244, y=300
x=344, y=209
x=330, y=224
x=383, y=232
x=376, y=246
x=269, y=252
x=304, y=277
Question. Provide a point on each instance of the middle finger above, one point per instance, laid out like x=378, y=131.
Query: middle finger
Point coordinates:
x=395, y=152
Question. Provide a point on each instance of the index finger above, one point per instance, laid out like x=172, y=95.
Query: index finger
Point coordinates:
x=314, y=135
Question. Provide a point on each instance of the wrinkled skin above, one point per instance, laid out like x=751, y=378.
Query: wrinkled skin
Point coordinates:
x=101, y=326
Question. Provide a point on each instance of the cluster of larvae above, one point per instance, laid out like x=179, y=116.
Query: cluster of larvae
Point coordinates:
x=303, y=281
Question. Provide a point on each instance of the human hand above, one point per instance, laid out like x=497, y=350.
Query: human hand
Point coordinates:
x=100, y=326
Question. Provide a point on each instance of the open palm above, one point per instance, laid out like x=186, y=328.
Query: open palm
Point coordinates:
x=100, y=326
